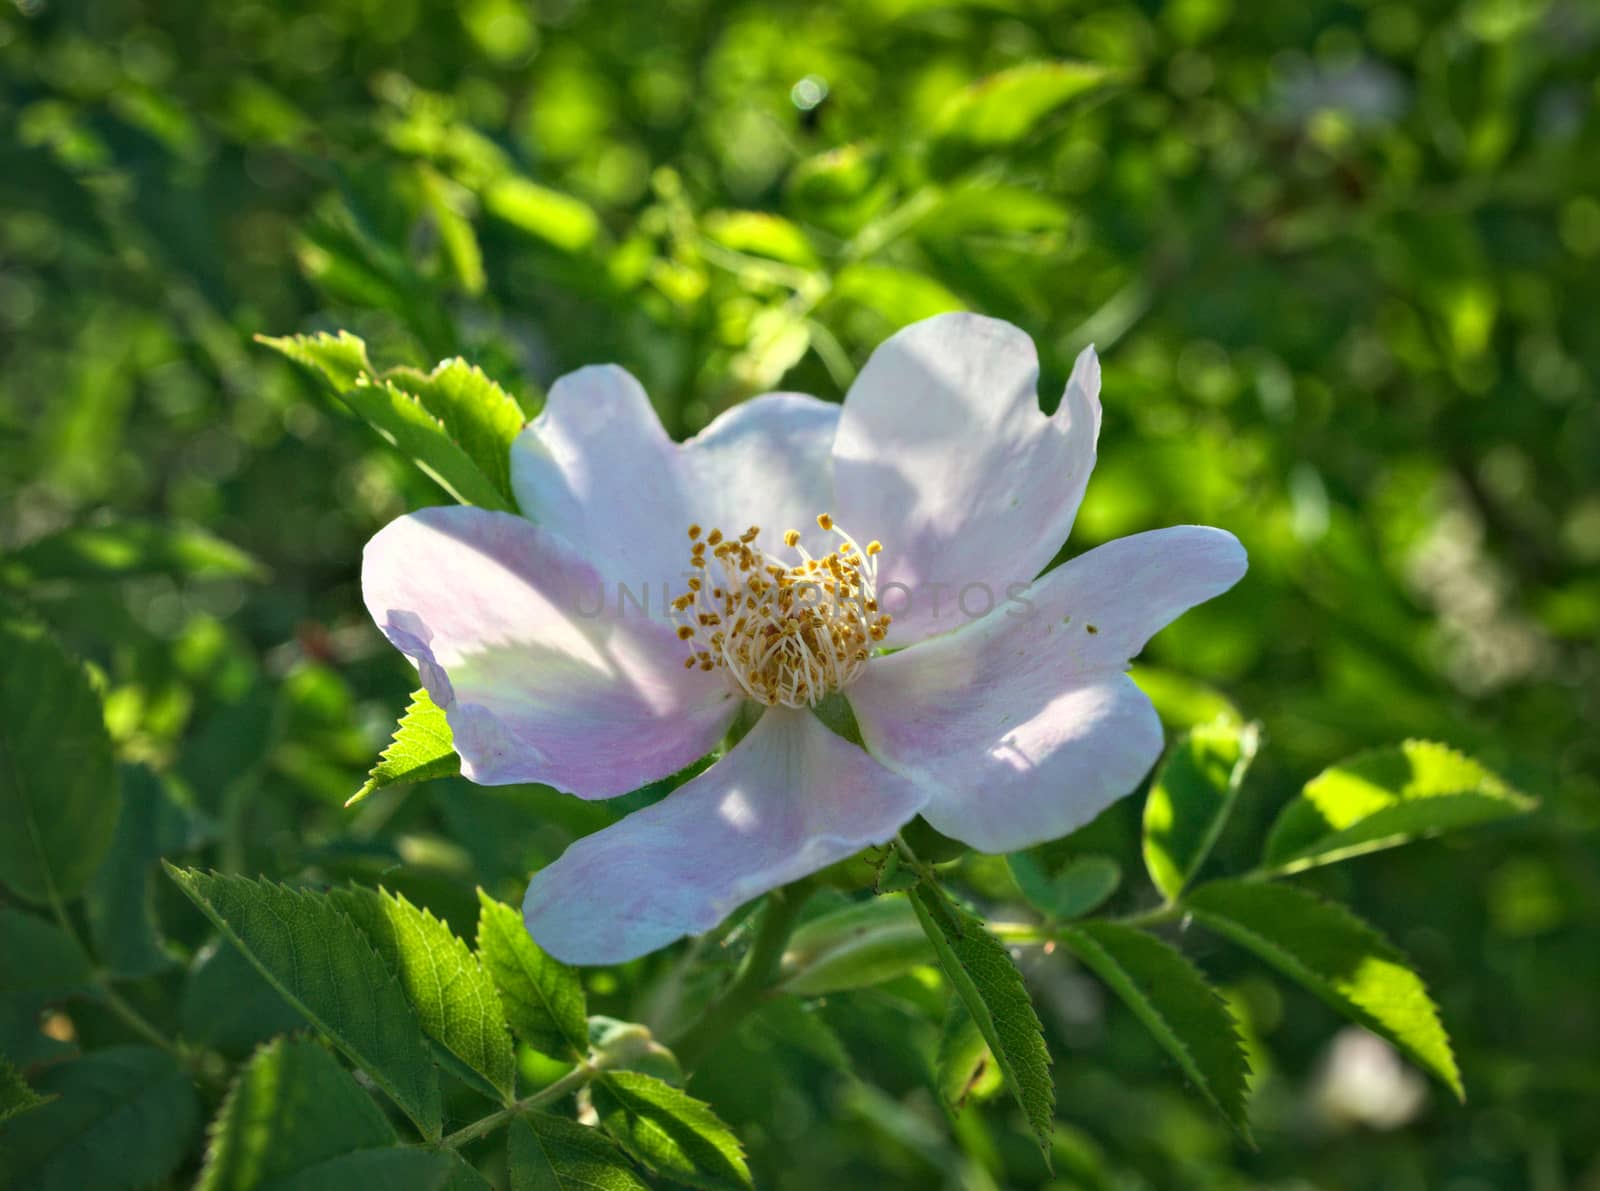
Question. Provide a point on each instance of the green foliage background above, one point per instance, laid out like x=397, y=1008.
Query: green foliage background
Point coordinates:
x=1340, y=261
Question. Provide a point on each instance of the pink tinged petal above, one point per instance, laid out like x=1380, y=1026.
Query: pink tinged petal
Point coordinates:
x=539, y=680
x=789, y=799
x=598, y=468
x=1024, y=725
x=944, y=455
x=767, y=462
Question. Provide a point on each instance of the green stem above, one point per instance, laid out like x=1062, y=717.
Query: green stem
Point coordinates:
x=753, y=982
x=570, y=1082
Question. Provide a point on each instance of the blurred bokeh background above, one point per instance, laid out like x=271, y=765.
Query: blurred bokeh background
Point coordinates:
x=1341, y=261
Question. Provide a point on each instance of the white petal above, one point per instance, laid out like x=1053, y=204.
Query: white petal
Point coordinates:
x=944, y=455
x=541, y=678
x=1024, y=725
x=790, y=798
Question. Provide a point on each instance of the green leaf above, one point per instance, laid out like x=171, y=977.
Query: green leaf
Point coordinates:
x=444, y=201
x=291, y=1108
x=1181, y=701
x=405, y=420
x=422, y=749
x=421, y=435
x=549, y=1153
x=795, y=1024
x=16, y=1097
x=454, y=997
x=55, y=964
x=670, y=1131
x=341, y=358
x=1176, y=1004
x=560, y=220
x=120, y=896
x=1006, y=107
x=964, y=1066
x=477, y=415
x=325, y=966
x=393, y=1168
x=899, y=296
x=760, y=233
x=1191, y=798
x=1384, y=798
x=122, y=1117
x=1083, y=884
x=58, y=786
x=861, y=945
x=543, y=998
x=127, y=549
x=1327, y=949
x=227, y=1005
x=988, y=983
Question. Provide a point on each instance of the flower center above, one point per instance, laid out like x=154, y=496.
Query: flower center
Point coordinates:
x=788, y=634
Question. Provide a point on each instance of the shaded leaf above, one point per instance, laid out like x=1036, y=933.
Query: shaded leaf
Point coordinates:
x=291, y=1108
x=861, y=945
x=55, y=965
x=1190, y=800
x=122, y=1117
x=988, y=983
x=549, y=1153
x=129, y=548
x=964, y=1066
x=1384, y=798
x=392, y=1168
x=1176, y=1004
x=670, y=1131
x=454, y=998
x=59, y=816
x=1078, y=888
x=16, y=1097
x=227, y=1005
x=793, y=1023
x=325, y=966
x=422, y=749
x=543, y=998
x=1326, y=948
x=120, y=896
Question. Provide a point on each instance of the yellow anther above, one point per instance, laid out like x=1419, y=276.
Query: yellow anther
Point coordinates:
x=874, y=547
x=684, y=632
x=825, y=521
x=694, y=531
x=714, y=536
x=791, y=537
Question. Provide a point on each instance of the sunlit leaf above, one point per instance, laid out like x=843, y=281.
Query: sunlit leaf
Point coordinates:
x=1006, y=107
x=543, y=998
x=454, y=998
x=326, y=967
x=1330, y=951
x=670, y=1131
x=59, y=794
x=291, y=1108
x=476, y=414
x=422, y=749
x=1384, y=798
x=988, y=983
x=1190, y=799
x=123, y=1117
x=964, y=1066
x=560, y=220
x=761, y=233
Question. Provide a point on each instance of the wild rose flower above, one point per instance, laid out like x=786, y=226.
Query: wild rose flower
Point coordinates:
x=887, y=551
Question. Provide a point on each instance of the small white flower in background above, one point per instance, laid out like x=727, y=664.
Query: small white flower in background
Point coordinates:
x=1364, y=1081
x=887, y=551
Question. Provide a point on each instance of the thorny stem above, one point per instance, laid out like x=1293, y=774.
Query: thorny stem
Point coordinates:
x=754, y=980
x=570, y=1082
